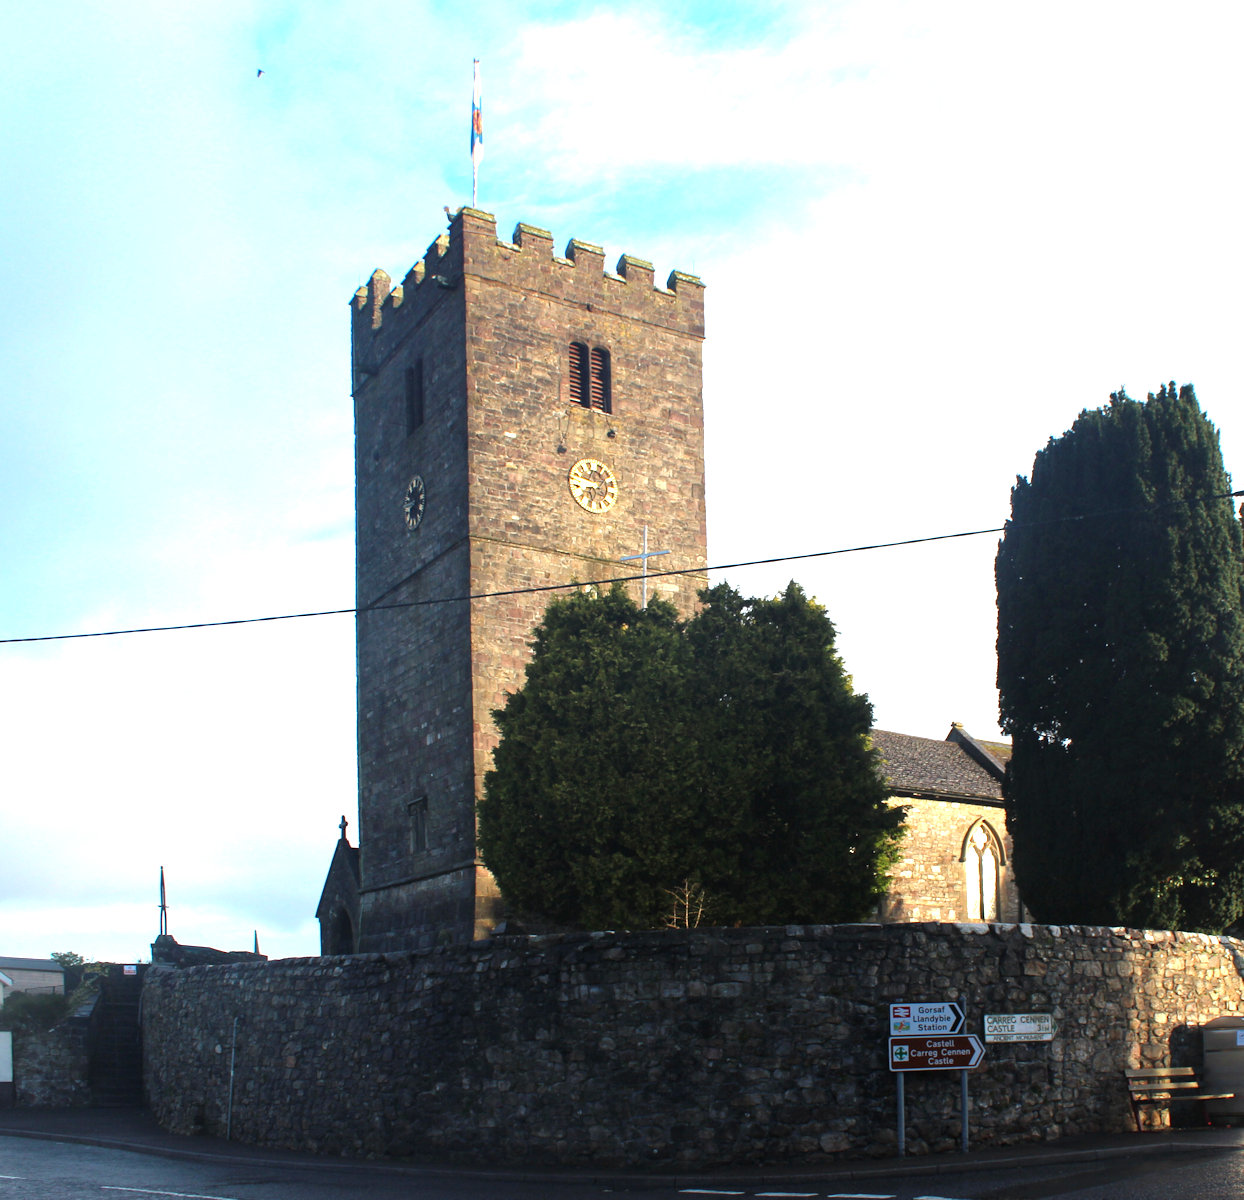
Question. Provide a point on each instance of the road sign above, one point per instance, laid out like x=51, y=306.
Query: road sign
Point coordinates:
x=957, y=1052
x=1020, y=1027
x=909, y=1019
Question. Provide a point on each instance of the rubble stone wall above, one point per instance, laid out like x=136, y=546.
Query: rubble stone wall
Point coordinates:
x=675, y=1047
x=51, y=1068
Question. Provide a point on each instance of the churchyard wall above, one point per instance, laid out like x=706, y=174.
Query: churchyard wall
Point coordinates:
x=676, y=1047
x=51, y=1067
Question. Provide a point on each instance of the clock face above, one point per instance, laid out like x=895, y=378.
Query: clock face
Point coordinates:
x=593, y=485
x=412, y=503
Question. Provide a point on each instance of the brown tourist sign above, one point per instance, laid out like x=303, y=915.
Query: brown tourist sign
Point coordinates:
x=954, y=1052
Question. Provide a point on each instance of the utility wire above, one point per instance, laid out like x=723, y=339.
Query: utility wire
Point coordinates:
x=560, y=587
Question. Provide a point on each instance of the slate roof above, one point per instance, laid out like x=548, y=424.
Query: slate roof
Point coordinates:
x=345, y=863
x=31, y=964
x=959, y=768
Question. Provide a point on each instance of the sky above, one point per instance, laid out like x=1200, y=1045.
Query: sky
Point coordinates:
x=931, y=235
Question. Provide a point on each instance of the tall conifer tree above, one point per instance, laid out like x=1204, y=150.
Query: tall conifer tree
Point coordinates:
x=1121, y=671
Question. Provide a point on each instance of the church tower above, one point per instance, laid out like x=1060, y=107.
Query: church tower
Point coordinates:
x=520, y=419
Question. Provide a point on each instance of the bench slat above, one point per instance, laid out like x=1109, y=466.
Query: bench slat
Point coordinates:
x=1166, y=1085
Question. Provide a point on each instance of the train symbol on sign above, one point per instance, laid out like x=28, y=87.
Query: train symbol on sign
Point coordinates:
x=925, y=1019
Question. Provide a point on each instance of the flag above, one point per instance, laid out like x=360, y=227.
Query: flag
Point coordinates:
x=477, y=131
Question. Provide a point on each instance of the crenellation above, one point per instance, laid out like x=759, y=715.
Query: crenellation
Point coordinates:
x=529, y=262
x=639, y=270
x=531, y=234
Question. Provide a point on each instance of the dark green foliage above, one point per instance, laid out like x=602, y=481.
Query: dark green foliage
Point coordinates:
x=33, y=1011
x=1121, y=672
x=727, y=755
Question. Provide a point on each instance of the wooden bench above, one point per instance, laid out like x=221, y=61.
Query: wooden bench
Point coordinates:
x=1166, y=1085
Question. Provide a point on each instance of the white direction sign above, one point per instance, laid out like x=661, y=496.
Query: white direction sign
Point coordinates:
x=1020, y=1027
x=922, y=1020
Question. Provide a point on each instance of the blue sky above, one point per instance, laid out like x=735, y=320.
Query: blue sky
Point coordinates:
x=931, y=235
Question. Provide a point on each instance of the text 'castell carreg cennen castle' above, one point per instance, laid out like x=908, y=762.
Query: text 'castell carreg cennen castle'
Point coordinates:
x=521, y=418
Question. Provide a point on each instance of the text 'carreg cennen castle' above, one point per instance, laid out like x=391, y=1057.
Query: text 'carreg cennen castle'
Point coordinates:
x=523, y=421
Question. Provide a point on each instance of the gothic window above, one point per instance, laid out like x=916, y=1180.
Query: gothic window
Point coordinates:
x=414, y=397
x=590, y=381
x=418, y=811
x=982, y=856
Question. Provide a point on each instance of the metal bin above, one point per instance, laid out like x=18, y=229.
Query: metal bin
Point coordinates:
x=1223, y=1042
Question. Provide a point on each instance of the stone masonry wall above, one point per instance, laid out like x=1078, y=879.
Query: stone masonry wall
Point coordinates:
x=928, y=883
x=684, y=1047
x=51, y=1068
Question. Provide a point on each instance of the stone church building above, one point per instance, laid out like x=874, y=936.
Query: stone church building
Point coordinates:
x=524, y=419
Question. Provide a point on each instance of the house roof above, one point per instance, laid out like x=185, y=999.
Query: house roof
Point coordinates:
x=31, y=964
x=958, y=768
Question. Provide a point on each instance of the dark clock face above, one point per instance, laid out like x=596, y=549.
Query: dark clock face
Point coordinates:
x=412, y=503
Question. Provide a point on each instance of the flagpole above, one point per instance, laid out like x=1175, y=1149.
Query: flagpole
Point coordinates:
x=477, y=133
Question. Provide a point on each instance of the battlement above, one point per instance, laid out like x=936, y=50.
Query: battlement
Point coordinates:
x=470, y=251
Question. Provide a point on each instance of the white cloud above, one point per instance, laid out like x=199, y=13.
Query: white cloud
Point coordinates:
x=930, y=234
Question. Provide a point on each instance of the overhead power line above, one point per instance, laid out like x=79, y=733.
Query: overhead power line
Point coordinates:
x=582, y=583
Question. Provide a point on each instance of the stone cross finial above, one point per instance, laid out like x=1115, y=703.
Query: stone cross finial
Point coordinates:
x=342, y=826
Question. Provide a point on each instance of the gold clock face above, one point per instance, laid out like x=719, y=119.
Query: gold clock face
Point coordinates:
x=412, y=502
x=593, y=485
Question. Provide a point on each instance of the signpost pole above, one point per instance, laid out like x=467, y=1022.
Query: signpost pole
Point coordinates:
x=963, y=1091
x=963, y=1111
x=902, y=1115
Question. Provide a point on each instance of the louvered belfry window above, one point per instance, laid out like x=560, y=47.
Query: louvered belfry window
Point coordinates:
x=600, y=379
x=590, y=383
x=579, y=373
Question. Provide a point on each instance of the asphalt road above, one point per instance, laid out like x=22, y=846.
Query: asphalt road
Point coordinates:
x=49, y=1170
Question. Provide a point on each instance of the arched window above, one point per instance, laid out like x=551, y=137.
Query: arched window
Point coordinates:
x=589, y=373
x=981, y=858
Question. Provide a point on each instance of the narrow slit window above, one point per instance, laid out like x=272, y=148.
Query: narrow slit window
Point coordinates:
x=418, y=812
x=414, y=397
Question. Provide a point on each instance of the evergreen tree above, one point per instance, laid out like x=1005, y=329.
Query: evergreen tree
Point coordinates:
x=1121, y=672
x=646, y=760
